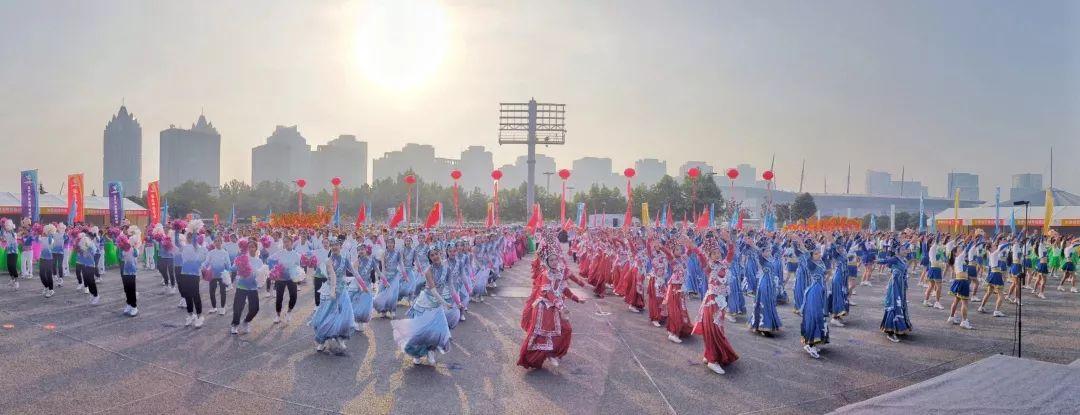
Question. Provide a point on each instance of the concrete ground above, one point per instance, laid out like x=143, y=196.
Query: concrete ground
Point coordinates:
x=62, y=355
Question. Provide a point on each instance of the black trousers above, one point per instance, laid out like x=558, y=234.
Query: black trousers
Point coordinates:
x=189, y=290
x=45, y=272
x=251, y=297
x=58, y=264
x=78, y=273
x=217, y=286
x=13, y=265
x=129, y=289
x=168, y=275
x=89, y=277
x=280, y=287
x=318, y=284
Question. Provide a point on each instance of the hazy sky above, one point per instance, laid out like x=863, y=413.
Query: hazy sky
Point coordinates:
x=978, y=86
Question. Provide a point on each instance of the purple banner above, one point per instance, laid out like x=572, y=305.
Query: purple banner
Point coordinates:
x=28, y=190
x=116, y=203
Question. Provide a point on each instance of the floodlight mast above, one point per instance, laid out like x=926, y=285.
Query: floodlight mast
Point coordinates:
x=520, y=123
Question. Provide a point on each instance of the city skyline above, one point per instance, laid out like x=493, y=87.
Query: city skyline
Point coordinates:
x=846, y=89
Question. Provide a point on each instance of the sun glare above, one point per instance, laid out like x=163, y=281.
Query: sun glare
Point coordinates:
x=400, y=44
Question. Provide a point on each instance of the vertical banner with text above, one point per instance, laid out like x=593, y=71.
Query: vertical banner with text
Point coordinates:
x=153, y=203
x=116, y=203
x=31, y=207
x=76, y=197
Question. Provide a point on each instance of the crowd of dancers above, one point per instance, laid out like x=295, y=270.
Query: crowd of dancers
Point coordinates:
x=434, y=274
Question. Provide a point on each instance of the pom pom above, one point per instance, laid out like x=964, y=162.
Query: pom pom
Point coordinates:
x=194, y=226
x=49, y=229
x=8, y=225
x=277, y=273
x=243, y=244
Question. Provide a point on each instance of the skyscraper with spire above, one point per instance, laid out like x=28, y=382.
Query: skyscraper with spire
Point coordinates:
x=190, y=155
x=122, y=156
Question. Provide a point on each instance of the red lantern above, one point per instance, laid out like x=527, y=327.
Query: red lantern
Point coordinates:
x=455, y=174
x=336, y=181
x=301, y=183
x=694, y=172
x=497, y=174
x=629, y=172
x=564, y=174
x=410, y=179
x=767, y=175
x=732, y=174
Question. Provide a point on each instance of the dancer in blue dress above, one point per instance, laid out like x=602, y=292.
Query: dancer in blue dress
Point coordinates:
x=332, y=321
x=895, y=320
x=426, y=331
x=736, y=303
x=838, y=306
x=359, y=292
x=390, y=281
x=814, y=330
x=764, y=319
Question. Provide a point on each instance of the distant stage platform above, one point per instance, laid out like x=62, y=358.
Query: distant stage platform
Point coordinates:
x=995, y=385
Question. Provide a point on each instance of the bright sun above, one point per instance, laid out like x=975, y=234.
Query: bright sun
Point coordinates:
x=400, y=44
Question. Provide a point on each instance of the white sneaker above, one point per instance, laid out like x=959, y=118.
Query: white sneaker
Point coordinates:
x=715, y=368
x=78, y=287
x=462, y=316
x=50, y=294
x=212, y=310
x=431, y=357
x=44, y=291
x=998, y=314
x=288, y=317
x=892, y=337
x=634, y=309
x=938, y=306
x=554, y=361
x=927, y=303
x=1073, y=290
x=656, y=323
x=1060, y=288
x=277, y=319
x=981, y=310
x=836, y=323
x=95, y=300
x=950, y=320
x=183, y=303
x=199, y=321
x=234, y=330
x=976, y=300
x=245, y=328
x=59, y=282
x=811, y=351
x=416, y=360
x=966, y=325
x=320, y=347
x=674, y=338
x=221, y=311
x=134, y=311
x=1040, y=295
x=190, y=319
x=86, y=290
x=341, y=345
x=127, y=309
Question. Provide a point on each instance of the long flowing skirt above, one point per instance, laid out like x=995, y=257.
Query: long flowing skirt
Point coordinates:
x=409, y=280
x=764, y=318
x=480, y=281
x=387, y=298
x=695, y=277
x=535, y=349
x=361, y=305
x=678, y=322
x=655, y=300
x=333, y=318
x=895, y=319
x=799, y=291
x=814, y=329
x=711, y=327
x=736, y=303
x=838, y=295
x=425, y=331
x=635, y=297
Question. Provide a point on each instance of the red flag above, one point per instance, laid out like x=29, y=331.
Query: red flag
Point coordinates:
x=153, y=203
x=399, y=215
x=567, y=225
x=434, y=216
x=629, y=217
x=703, y=220
x=361, y=216
x=535, y=221
x=584, y=217
x=490, y=217
x=739, y=225
x=216, y=219
x=670, y=219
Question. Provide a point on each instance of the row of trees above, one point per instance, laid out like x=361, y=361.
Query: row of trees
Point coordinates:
x=260, y=199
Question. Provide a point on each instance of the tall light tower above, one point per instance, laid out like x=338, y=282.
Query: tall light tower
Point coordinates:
x=532, y=123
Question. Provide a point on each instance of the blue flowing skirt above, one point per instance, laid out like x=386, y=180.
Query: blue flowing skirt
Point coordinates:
x=361, y=305
x=695, y=279
x=736, y=303
x=838, y=295
x=764, y=318
x=895, y=319
x=387, y=298
x=408, y=284
x=480, y=282
x=800, y=289
x=813, y=329
x=425, y=331
x=333, y=318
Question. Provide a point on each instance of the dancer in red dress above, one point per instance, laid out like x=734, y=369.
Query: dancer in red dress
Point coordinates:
x=548, y=328
x=718, y=352
x=678, y=321
x=656, y=285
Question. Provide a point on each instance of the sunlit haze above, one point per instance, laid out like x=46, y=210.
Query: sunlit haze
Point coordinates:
x=977, y=86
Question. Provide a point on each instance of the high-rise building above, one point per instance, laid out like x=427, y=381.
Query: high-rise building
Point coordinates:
x=516, y=174
x=1025, y=184
x=588, y=171
x=475, y=165
x=967, y=183
x=284, y=158
x=649, y=171
x=704, y=168
x=748, y=176
x=122, y=161
x=190, y=155
x=344, y=157
x=878, y=183
x=420, y=158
